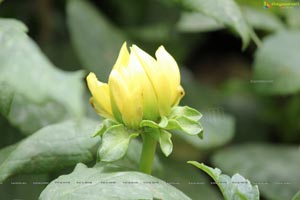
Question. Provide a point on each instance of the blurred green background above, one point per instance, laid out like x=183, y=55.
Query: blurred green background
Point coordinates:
x=240, y=67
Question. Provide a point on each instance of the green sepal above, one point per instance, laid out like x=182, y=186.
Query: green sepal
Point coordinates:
x=160, y=135
x=115, y=141
x=104, y=126
x=148, y=123
x=186, y=111
x=186, y=125
x=184, y=118
x=153, y=132
x=165, y=142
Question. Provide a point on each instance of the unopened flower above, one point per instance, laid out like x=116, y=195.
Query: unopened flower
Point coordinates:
x=139, y=87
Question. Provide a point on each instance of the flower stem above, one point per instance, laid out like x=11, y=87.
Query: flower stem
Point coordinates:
x=148, y=153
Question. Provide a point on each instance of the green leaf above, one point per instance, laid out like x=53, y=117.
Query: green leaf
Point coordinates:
x=219, y=130
x=276, y=66
x=95, y=39
x=225, y=12
x=262, y=20
x=51, y=148
x=274, y=168
x=165, y=142
x=197, y=22
x=19, y=55
x=297, y=196
x=237, y=187
x=6, y=98
x=115, y=143
x=30, y=117
x=186, y=111
x=91, y=183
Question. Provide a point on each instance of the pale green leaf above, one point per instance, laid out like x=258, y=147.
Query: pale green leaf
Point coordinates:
x=237, y=187
x=95, y=39
x=25, y=69
x=115, y=143
x=30, y=117
x=51, y=148
x=274, y=168
x=276, y=66
x=165, y=142
x=95, y=183
x=225, y=12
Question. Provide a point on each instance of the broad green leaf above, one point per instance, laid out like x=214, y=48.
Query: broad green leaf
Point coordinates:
x=188, y=180
x=95, y=39
x=225, y=12
x=30, y=117
x=237, y=187
x=274, y=168
x=197, y=22
x=218, y=130
x=165, y=142
x=25, y=69
x=276, y=66
x=6, y=97
x=93, y=183
x=51, y=148
x=297, y=196
x=115, y=143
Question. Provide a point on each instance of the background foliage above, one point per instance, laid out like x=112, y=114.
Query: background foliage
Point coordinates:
x=240, y=68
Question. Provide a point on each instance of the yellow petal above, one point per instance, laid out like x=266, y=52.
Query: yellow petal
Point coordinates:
x=170, y=69
x=128, y=102
x=140, y=62
x=123, y=58
x=101, y=96
x=157, y=79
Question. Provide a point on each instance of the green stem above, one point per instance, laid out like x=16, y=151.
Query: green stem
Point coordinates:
x=148, y=153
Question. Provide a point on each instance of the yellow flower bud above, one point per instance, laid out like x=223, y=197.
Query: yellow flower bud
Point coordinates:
x=139, y=87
